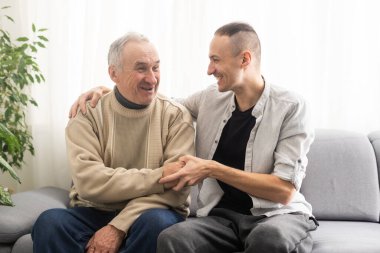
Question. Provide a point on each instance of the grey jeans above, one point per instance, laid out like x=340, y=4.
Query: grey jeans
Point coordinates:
x=227, y=231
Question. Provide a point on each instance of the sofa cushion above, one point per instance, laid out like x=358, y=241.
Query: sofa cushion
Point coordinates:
x=341, y=179
x=18, y=220
x=23, y=245
x=5, y=248
x=346, y=236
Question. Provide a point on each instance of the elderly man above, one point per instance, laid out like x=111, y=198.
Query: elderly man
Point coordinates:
x=118, y=151
x=252, y=140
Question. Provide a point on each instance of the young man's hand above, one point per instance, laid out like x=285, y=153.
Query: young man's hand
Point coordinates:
x=169, y=169
x=194, y=171
x=94, y=95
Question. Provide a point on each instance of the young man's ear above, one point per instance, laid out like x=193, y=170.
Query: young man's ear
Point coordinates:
x=246, y=58
x=112, y=71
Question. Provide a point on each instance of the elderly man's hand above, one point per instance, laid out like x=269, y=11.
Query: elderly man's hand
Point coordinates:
x=169, y=169
x=107, y=239
x=94, y=95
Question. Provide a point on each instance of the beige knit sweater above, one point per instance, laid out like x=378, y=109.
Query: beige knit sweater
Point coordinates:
x=116, y=156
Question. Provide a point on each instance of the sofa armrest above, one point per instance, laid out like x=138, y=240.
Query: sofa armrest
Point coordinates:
x=18, y=220
x=374, y=137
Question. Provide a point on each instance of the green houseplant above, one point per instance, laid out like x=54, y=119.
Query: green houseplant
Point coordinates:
x=18, y=71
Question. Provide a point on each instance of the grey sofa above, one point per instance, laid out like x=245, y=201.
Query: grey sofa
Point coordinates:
x=342, y=184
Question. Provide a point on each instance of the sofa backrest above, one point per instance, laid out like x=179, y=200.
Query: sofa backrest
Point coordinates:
x=341, y=178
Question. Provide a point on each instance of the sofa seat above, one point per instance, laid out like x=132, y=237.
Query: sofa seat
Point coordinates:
x=346, y=237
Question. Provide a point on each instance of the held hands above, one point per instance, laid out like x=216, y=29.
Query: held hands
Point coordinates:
x=169, y=169
x=194, y=170
x=94, y=95
x=107, y=239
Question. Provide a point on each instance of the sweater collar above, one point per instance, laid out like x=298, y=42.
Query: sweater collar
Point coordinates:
x=128, y=112
x=125, y=102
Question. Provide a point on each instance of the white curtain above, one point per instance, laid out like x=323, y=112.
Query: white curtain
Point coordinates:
x=326, y=50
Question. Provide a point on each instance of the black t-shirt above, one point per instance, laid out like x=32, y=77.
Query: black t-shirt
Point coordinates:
x=231, y=152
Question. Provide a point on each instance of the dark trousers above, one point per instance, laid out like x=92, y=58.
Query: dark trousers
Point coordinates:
x=69, y=230
x=225, y=231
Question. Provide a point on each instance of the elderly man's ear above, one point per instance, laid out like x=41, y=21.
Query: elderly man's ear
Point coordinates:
x=113, y=73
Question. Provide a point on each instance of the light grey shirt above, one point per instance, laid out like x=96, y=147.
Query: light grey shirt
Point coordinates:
x=277, y=145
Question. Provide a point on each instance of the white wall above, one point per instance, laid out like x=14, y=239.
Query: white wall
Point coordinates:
x=326, y=50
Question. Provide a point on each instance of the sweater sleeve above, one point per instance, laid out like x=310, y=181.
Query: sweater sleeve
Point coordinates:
x=93, y=180
x=177, y=201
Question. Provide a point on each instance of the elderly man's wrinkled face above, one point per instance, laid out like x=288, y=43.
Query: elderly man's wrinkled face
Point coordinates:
x=139, y=76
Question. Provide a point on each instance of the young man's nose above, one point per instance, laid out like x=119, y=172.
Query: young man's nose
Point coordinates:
x=210, y=69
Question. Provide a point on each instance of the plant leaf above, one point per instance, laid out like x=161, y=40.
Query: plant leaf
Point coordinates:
x=5, y=197
x=38, y=78
x=34, y=49
x=33, y=28
x=42, y=29
x=43, y=38
x=30, y=77
x=9, y=169
x=32, y=101
x=9, y=138
x=22, y=39
x=40, y=44
x=5, y=7
x=11, y=19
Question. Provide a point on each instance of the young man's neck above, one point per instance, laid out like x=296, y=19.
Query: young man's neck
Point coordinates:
x=248, y=94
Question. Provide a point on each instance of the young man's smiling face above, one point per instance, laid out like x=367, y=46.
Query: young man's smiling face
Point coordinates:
x=224, y=65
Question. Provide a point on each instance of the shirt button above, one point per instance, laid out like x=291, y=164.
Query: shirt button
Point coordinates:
x=224, y=121
x=216, y=141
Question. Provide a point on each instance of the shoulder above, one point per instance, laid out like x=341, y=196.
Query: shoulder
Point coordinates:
x=94, y=115
x=172, y=108
x=282, y=96
x=212, y=94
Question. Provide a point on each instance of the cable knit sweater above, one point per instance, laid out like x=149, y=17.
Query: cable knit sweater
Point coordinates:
x=116, y=156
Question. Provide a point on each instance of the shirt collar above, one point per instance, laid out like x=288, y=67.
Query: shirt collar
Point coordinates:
x=258, y=109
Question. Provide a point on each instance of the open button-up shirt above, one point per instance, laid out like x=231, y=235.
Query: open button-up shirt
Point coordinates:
x=277, y=145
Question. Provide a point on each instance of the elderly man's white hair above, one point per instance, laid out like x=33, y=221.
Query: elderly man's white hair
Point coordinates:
x=115, y=52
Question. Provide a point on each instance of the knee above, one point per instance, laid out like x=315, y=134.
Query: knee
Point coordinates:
x=48, y=222
x=168, y=235
x=267, y=238
x=48, y=218
x=160, y=219
x=169, y=239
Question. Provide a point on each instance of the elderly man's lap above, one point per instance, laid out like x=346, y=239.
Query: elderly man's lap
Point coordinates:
x=69, y=230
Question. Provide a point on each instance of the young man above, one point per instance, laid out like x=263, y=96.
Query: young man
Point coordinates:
x=251, y=142
x=118, y=152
